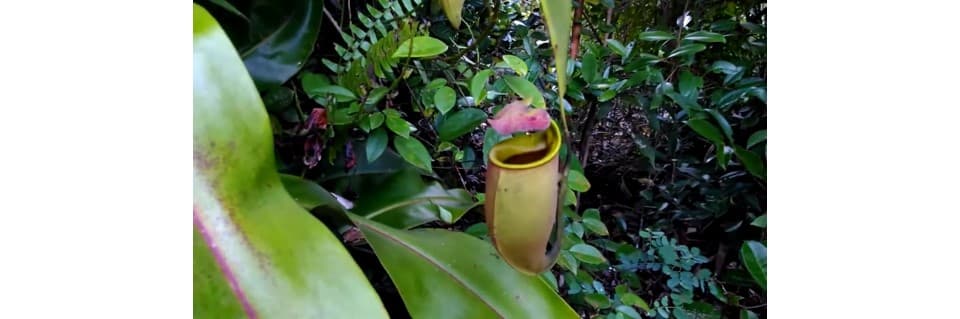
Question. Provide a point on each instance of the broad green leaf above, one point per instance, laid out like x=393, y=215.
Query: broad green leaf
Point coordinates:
x=634, y=300
x=516, y=64
x=587, y=254
x=617, y=48
x=309, y=194
x=689, y=84
x=423, y=47
x=453, y=10
x=376, y=95
x=396, y=123
x=752, y=161
x=558, y=16
x=760, y=221
x=376, y=143
x=606, y=96
x=342, y=94
x=628, y=311
x=577, y=181
x=747, y=314
x=656, y=36
x=253, y=243
x=724, y=67
x=597, y=300
x=445, y=274
x=687, y=49
x=478, y=85
x=707, y=130
x=286, y=42
x=404, y=200
x=460, y=122
x=588, y=66
x=526, y=90
x=229, y=7
x=724, y=125
x=591, y=219
x=754, y=257
x=669, y=255
x=413, y=152
x=444, y=99
x=705, y=36
x=376, y=119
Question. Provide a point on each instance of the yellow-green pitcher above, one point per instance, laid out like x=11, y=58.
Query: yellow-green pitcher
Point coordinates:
x=524, y=185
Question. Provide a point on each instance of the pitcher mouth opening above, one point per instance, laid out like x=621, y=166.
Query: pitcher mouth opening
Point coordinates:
x=527, y=151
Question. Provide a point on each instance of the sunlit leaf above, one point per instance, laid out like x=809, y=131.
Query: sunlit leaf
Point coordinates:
x=440, y=273
x=247, y=227
x=423, y=47
x=526, y=90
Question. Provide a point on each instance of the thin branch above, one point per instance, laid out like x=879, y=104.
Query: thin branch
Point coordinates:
x=332, y=20
x=494, y=14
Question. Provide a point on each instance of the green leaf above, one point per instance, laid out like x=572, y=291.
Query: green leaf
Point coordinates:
x=558, y=15
x=634, y=300
x=342, y=94
x=309, y=194
x=689, y=84
x=760, y=221
x=577, y=181
x=246, y=231
x=423, y=47
x=526, y=90
x=588, y=67
x=756, y=138
x=460, y=122
x=286, y=43
x=617, y=48
x=597, y=300
x=229, y=7
x=413, y=152
x=656, y=36
x=754, y=257
x=707, y=130
x=747, y=314
x=689, y=48
x=397, y=124
x=591, y=219
x=705, y=36
x=376, y=95
x=669, y=255
x=724, y=125
x=516, y=64
x=440, y=272
x=376, y=119
x=628, y=311
x=478, y=85
x=376, y=143
x=404, y=200
x=453, y=9
x=444, y=99
x=724, y=67
x=587, y=254
x=751, y=161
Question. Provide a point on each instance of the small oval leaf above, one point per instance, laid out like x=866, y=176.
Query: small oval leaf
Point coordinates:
x=444, y=99
x=413, y=152
x=459, y=123
x=423, y=47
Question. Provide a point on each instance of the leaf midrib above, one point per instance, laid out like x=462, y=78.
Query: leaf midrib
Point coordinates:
x=440, y=266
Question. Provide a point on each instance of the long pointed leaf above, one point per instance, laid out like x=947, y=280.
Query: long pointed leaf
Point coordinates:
x=444, y=274
x=283, y=52
x=559, y=18
x=256, y=251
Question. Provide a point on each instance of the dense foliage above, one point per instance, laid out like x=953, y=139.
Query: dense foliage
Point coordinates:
x=385, y=105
